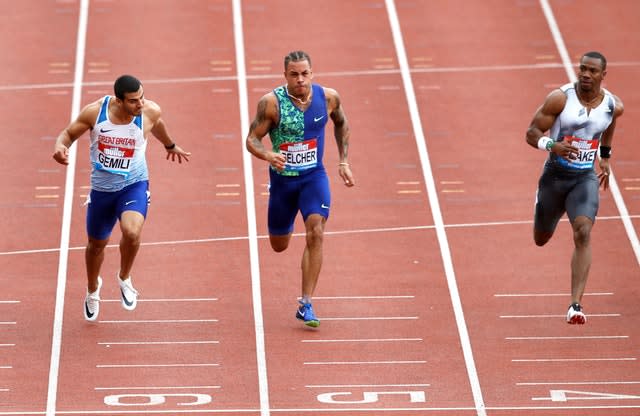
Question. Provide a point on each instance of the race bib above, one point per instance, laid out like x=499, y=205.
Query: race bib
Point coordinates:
x=588, y=150
x=115, y=154
x=300, y=156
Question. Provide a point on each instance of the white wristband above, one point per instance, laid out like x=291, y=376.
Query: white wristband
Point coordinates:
x=545, y=143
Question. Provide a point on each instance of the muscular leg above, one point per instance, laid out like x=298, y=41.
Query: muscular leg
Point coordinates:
x=131, y=223
x=312, y=256
x=94, y=256
x=581, y=259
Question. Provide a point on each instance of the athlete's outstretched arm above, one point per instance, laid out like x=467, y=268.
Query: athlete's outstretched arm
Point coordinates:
x=160, y=132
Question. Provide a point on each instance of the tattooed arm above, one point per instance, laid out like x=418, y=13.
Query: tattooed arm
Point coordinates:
x=341, y=132
x=266, y=118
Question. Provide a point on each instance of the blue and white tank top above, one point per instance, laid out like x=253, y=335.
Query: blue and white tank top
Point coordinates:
x=117, y=152
x=299, y=135
x=581, y=128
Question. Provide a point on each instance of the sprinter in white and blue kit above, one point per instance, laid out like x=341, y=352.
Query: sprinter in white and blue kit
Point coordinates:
x=580, y=118
x=118, y=129
x=294, y=116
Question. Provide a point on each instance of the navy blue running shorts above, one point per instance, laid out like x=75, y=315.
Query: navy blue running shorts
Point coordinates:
x=288, y=195
x=105, y=208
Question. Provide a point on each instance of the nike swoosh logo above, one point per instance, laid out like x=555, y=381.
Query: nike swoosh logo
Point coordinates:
x=129, y=202
x=324, y=206
x=125, y=300
x=105, y=131
x=316, y=119
x=86, y=310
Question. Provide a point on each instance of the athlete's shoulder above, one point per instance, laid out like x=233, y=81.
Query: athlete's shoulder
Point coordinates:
x=89, y=113
x=151, y=107
x=329, y=92
x=619, y=109
x=268, y=106
x=556, y=100
x=569, y=86
x=618, y=105
x=332, y=97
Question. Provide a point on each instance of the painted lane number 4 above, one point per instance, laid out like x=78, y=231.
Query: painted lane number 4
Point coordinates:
x=566, y=395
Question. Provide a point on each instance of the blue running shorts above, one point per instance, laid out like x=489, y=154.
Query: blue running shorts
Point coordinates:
x=308, y=193
x=105, y=208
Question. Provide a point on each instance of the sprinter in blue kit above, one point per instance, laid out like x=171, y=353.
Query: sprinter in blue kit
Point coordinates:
x=118, y=128
x=581, y=119
x=294, y=116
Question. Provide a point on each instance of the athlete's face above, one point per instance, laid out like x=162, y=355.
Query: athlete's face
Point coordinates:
x=590, y=73
x=298, y=75
x=133, y=102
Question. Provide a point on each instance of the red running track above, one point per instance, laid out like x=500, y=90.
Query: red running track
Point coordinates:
x=434, y=299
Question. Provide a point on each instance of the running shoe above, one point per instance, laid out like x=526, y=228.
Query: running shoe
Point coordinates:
x=305, y=313
x=575, y=314
x=128, y=295
x=92, y=303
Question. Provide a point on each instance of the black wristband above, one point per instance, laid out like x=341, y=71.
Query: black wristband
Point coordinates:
x=605, y=152
x=171, y=146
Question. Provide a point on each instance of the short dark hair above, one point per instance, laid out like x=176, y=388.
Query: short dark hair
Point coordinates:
x=597, y=55
x=125, y=84
x=296, y=56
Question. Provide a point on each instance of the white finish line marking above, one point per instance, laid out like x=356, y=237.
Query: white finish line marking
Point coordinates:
x=155, y=365
x=361, y=362
x=540, y=360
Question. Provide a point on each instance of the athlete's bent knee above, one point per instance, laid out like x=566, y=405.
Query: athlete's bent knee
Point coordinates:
x=315, y=234
x=131, y=236
x=96, y=247
x=582, y=232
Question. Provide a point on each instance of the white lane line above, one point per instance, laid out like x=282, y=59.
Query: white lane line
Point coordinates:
x=591, y=315
x=372, y=318
x=156, y=365
x=7, y=322
x=159, y=321
x=568, y=360
x=567, y=338
x=545, y=295
x=364, y=340
x=58, y=315
x=577, y=383
x=339, y=74
x=327, y=233
x=363, y=297
x=434, y=204
x=362, y=362
x=613, y=184
x=157, y=343
x=327, y=386
x=158, y=388
x=167, y=300
x=254, y=259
